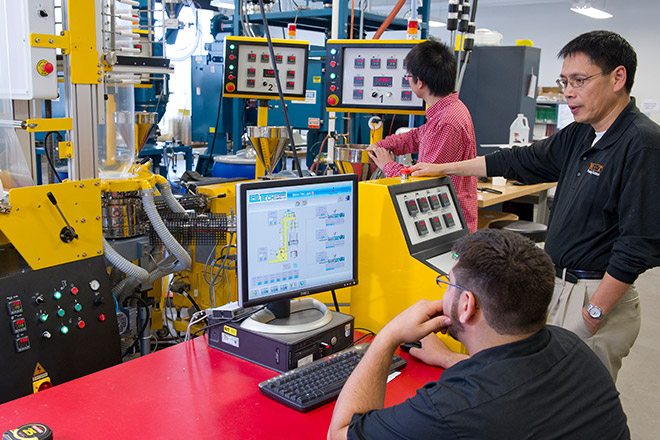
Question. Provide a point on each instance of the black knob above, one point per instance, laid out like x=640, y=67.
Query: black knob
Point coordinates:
x=98, y=300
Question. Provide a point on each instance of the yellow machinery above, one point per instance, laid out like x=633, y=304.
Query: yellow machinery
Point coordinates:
x=390, y=279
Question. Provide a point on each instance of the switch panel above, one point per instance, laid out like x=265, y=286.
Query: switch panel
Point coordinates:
x=250, y=73
x=378, y=68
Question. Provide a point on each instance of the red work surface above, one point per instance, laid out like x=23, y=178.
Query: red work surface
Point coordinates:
x=188, y=391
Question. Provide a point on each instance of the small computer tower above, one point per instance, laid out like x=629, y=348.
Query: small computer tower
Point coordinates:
x=283, y=352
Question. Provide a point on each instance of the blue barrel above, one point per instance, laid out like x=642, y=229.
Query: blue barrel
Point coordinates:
x=229, y=166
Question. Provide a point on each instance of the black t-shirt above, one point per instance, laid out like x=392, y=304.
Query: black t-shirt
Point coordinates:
x=547, y=386
x=605, y=212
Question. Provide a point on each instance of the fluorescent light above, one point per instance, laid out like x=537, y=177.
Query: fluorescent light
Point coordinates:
x=433, y=23
x=591, y=12
x=222, y=5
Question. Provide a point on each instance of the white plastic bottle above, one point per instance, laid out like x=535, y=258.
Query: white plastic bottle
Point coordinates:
x=519, y=130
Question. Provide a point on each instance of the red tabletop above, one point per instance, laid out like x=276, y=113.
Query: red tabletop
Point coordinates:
x=188, y=391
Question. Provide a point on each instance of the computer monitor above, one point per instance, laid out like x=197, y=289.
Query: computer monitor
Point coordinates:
x=295, y=237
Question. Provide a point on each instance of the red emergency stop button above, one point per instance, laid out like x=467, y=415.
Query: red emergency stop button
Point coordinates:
x=230, y=87
x=333, y=100
x=45, y=67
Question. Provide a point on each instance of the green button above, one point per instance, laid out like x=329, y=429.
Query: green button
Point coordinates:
x=57, y=295
x=60, y=313
x=232, y=47
x=333, y=51
x=231, y=67
x=64, y=329
x=333, y=76
x=43, y=317
x=77, y=307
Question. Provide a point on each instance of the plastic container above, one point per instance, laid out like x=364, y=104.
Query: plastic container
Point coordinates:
x=519, y=130
x=230, y=165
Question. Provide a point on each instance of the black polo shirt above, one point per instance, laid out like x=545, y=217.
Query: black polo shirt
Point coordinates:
x=606, y=212
x=547, y=386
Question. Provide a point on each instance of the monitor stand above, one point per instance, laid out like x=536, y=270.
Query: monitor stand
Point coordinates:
x=294, y=316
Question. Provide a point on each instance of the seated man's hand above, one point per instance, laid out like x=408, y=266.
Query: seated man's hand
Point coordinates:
x=416, y=322
x=435, y=352
x=427, y=169
x=379, y=155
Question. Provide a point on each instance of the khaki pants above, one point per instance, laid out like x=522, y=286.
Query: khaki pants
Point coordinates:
x=618, y=331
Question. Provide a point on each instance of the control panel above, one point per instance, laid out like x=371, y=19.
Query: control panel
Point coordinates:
x=58, y=324
x=431, y=219
x=251, y=71
x=370, y=76
x=33, y=69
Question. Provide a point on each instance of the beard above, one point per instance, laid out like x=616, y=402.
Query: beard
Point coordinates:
x=456, y=328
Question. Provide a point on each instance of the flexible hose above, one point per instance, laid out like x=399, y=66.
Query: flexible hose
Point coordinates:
x=123, y=264
x=165, y=235
x=170, y=200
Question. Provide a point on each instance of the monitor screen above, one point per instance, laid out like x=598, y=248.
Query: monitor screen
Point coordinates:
x=296, y=237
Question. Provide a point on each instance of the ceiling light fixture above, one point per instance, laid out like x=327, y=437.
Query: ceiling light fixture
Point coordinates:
x=588, y=10
x=222, y=5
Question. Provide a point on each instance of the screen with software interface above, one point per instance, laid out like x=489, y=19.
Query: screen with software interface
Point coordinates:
x=298, y=237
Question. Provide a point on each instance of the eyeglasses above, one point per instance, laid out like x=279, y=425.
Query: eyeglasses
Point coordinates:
x=576, y=83
x=439, y=281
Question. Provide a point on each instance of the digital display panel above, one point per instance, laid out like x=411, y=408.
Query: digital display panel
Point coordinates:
x=358, y=81
x=382, y=81
x=375, y=63
x=391, y=63
x=359, y=63
x=269, y=73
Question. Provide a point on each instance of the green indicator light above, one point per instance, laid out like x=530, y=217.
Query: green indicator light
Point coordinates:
x=60, y=313
x=64, y=330
x=333, y=76
x=333, y=51
x=77, y=307
x=57, y=295
x=232, y=47
x=231, y=67
x=43, y=317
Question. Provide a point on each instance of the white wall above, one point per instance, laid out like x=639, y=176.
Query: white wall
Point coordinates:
x=552, y=25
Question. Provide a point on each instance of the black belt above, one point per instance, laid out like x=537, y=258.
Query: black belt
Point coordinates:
x=573, y=275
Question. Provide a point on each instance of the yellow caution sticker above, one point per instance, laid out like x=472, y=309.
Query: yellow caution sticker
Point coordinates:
x=230, y=330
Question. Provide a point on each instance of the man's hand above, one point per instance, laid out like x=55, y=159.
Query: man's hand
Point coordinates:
x=592, y=324
x=435, y=352
x=379, y=155
x=416, y=322
x=428, y=169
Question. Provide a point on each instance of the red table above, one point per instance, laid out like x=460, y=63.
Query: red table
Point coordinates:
x=188, y=391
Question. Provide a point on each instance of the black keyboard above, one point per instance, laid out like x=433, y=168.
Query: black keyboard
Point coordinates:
x=315, y=384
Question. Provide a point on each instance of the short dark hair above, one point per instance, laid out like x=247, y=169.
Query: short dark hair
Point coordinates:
x=512, y=278
x=434, y=63
x=607, y=50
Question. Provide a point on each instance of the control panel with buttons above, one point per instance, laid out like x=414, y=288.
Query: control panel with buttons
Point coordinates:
x=251, y=72
x=63, y=318
x=367, y=76
x=428, y=211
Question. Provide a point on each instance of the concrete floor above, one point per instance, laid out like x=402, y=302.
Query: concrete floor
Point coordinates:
x=639, y=378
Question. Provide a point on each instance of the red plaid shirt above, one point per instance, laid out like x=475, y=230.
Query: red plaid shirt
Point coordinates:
x=447, y=136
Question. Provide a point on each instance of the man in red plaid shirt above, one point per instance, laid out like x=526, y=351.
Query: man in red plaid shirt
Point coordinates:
x=447, y=135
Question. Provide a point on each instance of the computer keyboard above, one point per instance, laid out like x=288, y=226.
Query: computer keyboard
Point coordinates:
x=315, y=384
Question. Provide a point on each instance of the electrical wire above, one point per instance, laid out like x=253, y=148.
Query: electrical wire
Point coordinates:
x=50, y=160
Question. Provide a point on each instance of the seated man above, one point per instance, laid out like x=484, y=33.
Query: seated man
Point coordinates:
x=523, y=379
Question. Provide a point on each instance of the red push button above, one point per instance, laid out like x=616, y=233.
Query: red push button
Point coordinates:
x=333, y=88
x=81, y=324
x=333, y=63
x=101, y=317
x=230, y=87
x=230, y=77
x=74, y=291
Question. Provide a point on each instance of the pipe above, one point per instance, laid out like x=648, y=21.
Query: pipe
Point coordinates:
x=389, y=19
x=166, y=192
x=123, y=264
x=184, y=260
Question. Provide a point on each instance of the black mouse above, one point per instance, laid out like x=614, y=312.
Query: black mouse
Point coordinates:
x=408, y=345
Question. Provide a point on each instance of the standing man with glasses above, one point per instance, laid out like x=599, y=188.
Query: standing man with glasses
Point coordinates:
x=523, y=380
x=604, y=229
x=447, y=135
